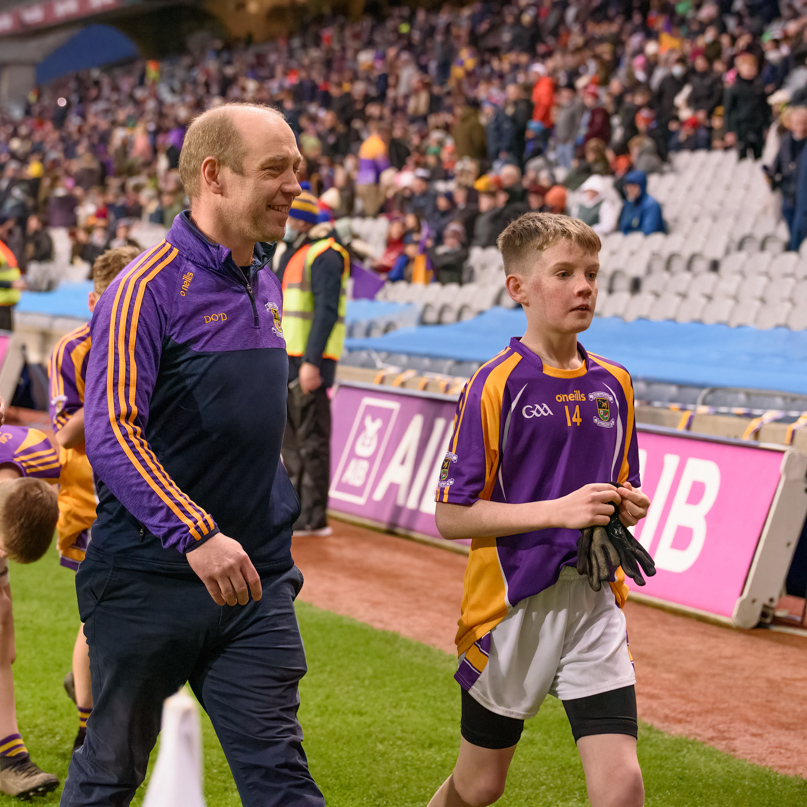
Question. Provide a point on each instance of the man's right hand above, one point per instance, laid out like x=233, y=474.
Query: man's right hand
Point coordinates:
x=226, y=570
x=588, y=506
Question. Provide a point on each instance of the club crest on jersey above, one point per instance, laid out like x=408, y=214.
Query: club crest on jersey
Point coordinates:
x=58, y=403
x=445, y=468
x=275, y=312
x=603, y=401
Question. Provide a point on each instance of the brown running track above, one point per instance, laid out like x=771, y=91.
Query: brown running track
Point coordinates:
x=744, y=692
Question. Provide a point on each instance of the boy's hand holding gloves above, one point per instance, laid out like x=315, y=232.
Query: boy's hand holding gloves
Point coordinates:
x=600, y=550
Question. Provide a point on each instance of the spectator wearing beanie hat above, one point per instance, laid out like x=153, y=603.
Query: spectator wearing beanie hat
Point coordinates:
x=313, y=270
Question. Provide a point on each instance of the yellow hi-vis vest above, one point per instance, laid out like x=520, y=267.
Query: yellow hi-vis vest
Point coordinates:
x=8, y=271
x=298, y=300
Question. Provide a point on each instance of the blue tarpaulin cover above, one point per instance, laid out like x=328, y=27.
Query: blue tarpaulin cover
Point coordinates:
x=691, y=353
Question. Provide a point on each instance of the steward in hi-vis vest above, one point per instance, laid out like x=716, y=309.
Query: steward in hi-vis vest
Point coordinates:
x=9, y=287
x=314, y=269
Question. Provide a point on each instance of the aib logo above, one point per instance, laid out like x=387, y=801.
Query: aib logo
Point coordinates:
x=215, y=318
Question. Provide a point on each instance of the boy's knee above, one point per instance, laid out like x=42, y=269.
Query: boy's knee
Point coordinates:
x=482, y=789
x=624, y=790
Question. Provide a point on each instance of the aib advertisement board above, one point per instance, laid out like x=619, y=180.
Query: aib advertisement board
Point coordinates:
x=710, y=500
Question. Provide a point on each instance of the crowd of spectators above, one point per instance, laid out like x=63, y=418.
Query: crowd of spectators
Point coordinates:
x=450, y=122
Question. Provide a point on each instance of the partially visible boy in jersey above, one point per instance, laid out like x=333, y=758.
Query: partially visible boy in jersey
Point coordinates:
x=68, y=366
x=29, y=469
x=540, y=432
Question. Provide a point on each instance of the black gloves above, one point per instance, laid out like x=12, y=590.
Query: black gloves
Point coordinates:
x=601, y=549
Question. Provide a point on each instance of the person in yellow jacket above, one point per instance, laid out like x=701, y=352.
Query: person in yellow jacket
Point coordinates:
x=11, y=281
x=314, y=269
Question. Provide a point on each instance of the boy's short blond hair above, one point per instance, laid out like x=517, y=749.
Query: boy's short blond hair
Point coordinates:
x=28, y=515
x=109, y=265
x=524, y=239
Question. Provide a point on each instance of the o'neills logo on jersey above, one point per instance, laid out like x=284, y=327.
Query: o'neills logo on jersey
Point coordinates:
x=575, y=396
x=186, y=282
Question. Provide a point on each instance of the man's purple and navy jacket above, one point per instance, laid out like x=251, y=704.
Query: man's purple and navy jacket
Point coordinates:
x=185, y=407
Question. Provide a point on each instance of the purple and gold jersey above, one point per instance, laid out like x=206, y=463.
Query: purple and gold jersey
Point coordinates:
x=30, y=451
x=524, y=432
x=67, y=372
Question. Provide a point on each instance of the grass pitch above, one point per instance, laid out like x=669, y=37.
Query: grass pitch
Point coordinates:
x=381, y=718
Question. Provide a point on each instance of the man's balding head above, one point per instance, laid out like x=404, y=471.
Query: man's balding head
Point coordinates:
x=218, y=133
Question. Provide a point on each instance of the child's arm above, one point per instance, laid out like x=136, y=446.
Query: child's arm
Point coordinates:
x=72, y=433
x=585, y=507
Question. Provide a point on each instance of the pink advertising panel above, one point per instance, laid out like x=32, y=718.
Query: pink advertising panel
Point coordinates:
x=710, y=499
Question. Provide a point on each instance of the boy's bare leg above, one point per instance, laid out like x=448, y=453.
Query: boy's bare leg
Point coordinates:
x=81, y=670
x=478, y=778
x=8, y=654
x=613, y=775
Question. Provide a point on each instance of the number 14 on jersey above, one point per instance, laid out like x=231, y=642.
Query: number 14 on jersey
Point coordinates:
x=575, y=418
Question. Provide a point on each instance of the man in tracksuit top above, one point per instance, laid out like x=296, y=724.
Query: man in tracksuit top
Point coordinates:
x=189, y=575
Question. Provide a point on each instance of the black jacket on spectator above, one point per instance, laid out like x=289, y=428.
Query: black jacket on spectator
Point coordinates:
x=746, y=109
x=665, y=109
x=487, y=228
x=398, y=153
x=448, y=264
x=519, y=113
x=707, y=91
x=785, y=169
x=39, y=247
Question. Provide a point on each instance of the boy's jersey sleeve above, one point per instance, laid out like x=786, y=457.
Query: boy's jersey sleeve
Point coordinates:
x=66, y=371
x=469, y=469
x=128, y=328
x=34, y=456
x=630, y=470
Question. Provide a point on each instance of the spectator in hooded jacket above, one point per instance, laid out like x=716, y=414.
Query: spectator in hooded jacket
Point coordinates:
x=641, y=212
x=596, y=206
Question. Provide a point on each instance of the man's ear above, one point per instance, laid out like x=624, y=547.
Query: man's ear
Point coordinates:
x=515, y=288
x=211, y=175
x=92, y=299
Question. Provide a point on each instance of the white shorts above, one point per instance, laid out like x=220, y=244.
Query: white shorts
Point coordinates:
x=568, y=641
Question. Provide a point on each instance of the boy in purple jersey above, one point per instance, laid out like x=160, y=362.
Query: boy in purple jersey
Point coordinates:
x=67, y=376
x=540, y=433
x=29, y=470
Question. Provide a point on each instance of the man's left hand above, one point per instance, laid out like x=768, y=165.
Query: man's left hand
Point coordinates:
x=310, y=378
x=634, y=505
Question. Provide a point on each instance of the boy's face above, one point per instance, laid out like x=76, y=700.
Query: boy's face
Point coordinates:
x=559, y=292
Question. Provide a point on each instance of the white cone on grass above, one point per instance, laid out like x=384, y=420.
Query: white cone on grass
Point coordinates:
x=177, y=777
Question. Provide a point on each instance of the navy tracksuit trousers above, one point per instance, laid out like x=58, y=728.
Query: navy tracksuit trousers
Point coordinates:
x=148, y=634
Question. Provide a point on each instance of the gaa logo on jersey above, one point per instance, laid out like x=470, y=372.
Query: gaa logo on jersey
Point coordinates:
x=275, y=312
x=445, y=468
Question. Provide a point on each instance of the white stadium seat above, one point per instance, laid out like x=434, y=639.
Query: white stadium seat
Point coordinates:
x=744, y=313
x=773, y=315
x=691, y=309
x=717, y=310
